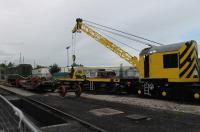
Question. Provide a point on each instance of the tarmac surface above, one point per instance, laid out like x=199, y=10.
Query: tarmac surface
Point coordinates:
x=117, y=117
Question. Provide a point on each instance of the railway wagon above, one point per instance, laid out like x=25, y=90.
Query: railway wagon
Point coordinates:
x=105, y=81
x=20, y=71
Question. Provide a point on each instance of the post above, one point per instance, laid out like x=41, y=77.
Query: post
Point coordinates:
x=6, y=70
x=121, y=71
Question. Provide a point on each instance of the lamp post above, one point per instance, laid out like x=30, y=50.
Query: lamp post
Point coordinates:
x=67, y=55
x=6, y=70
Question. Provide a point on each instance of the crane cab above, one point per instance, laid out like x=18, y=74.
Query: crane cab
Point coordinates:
x=169, y=65
x=175, y=62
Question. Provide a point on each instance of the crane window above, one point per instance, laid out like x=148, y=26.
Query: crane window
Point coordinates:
x=170, y=61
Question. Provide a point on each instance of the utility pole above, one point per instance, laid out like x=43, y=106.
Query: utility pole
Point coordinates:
x=6, y=70
x=121, y=71
x=23, y=59
x=20, y=58
x=34, y=64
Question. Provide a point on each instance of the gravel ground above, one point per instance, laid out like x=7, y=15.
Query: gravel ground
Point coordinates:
x=157, y=119
x=18, y=91
x=147, y=102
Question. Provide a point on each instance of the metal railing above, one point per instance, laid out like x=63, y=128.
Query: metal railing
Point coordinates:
x=24, y=124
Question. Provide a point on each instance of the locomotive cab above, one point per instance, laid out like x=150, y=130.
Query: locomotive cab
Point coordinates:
x=175, y=63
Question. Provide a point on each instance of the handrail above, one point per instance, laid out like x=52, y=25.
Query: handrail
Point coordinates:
x=22, y=118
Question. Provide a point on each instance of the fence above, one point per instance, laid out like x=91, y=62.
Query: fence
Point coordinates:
x=13, y=119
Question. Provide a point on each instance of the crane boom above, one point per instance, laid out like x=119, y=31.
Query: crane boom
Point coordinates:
x=80, y=26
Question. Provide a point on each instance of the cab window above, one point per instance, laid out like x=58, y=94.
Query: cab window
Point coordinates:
x=170, y=61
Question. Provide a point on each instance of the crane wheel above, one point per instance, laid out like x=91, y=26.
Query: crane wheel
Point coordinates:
x=196, y=96
x=164, y=93
x=78, y=90
x=17, y=82
x=62, y=91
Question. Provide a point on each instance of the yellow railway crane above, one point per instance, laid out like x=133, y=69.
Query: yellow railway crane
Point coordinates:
x=107, y=43
x=167, y=70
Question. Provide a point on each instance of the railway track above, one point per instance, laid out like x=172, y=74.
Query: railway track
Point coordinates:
x=78, y=113
x=65, y=117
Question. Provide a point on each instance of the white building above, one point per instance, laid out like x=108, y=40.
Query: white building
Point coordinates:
x=42, y=72
x=65, y=69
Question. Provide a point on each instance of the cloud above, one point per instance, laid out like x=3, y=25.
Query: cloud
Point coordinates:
x=44, y=27
x=12, y=44
x=5, y=53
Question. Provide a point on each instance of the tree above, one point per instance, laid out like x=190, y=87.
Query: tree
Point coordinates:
x=54, y=69
x=39, y=66
x=10, y=64
x=2, y=65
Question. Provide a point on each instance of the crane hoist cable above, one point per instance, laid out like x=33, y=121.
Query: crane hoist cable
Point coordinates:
x=119, y=41
x=73, y=47
x=123, y=32
x=73, y=44
x=136, y=40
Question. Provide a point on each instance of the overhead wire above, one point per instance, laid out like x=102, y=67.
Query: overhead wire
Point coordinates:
x=119, y=41
x=136, y=40
x=73, y=43
x=124, y=32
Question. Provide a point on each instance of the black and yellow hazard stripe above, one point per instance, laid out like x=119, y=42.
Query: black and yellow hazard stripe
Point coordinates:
x=188, y=59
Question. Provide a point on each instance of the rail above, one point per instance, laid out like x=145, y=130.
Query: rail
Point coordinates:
x=24, y=124
x=68, y=115
x=54, y=111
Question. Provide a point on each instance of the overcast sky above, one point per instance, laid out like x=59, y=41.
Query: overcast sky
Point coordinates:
x=41, y=29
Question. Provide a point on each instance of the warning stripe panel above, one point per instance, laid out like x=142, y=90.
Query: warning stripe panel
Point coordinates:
x=189, y=54
x=187, y=68
x=186, y=57
x=192, y=70
x=185, y=50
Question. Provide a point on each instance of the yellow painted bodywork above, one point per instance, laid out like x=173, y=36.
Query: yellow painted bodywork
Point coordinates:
x=70, y=79
x=99, y=79
x=156, y=68
x=89, y=79
x=80, y=75
x=80, y=26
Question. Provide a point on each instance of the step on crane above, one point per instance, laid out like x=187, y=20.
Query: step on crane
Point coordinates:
x=166, y=70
